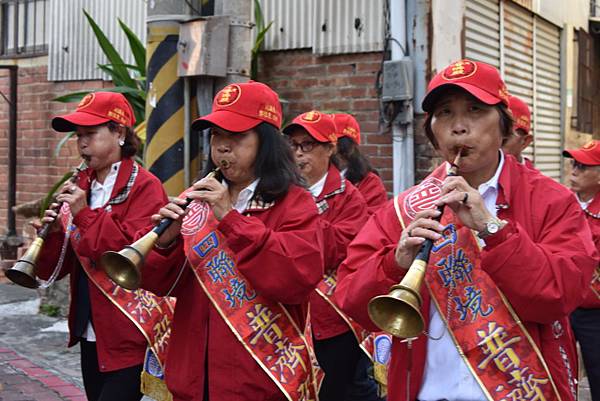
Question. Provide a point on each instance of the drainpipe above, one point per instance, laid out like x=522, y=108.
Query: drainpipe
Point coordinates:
x=402, y=134
x=11, y=241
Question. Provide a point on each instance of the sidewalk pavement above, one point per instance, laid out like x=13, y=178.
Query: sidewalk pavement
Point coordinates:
x=36, y=365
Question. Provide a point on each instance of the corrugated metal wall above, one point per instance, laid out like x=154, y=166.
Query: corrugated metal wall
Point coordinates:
x=326, y=26
x=291, y=20
x=73, y=53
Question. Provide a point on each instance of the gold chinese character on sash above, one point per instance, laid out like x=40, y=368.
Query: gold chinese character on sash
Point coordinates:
x=263, y=322
x=527, y=387
x=496, y=348
x=289, y=358
x=331, y=281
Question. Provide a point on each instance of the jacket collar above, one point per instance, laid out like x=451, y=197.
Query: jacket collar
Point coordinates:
x=593, y=208
x=334, y=184
x=86, y=177
x=509, y=179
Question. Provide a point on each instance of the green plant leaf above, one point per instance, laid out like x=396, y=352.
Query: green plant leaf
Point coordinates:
x=260, y=37
x=71, y=97
x=120, y=73
x=259, y=18
x=62, y=142
x=50, y=195
x=137, y=47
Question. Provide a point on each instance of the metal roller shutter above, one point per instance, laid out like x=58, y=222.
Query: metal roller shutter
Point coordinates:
x=547, y=115
x=482, y=31
x=518, y=60
x=526, y=49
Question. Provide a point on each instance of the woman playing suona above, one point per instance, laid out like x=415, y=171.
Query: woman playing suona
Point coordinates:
x=510, y=257
x=354, y=166
x=250, y=250
x=111, y=200
x=343, y=211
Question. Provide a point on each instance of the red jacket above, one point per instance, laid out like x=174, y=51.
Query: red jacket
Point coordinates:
x=345, y=214
x=540, y=260
x=592, y=213
x=372, y=189
x=120, y=344
x=528, y=163
x=278, y=251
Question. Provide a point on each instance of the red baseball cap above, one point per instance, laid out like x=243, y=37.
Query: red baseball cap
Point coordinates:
x=320, y=126
x=346, y=125
x=588, y=154
x=520, y=112
x=241, y=107
x=97, y=108
x=479, y=79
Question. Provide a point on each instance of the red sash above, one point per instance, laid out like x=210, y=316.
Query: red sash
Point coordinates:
x=489, y=335
x=263, y=327
x=151, y=314
x=367, y=341
x=325, y=289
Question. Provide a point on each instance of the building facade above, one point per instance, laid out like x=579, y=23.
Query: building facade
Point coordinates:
x=327, y=55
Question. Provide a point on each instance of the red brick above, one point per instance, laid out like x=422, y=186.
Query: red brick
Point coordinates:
x=22, y=363
x=52, y=381
x=371, y=67
x=346, y=69
x=36, y=372
x=378, y=139
x=68, y=390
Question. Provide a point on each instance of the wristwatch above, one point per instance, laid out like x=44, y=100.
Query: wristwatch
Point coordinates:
x=491, y=227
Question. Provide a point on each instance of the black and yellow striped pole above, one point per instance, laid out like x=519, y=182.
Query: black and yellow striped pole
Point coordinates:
x=165, y=107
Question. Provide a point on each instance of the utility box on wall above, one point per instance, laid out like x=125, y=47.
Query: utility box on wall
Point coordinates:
x=202, y=47
x=397, y=80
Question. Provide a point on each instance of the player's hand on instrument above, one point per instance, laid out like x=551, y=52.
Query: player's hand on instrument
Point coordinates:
x=215, y=194
x=421, y=228
x=466, y=202
x=74, y=196
x=174, y=210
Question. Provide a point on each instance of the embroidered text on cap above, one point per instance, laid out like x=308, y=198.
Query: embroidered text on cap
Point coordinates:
x=460, y=69
x=229, y=95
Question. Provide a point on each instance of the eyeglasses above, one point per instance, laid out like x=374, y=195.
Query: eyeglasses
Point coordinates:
x=305, y=146
x=579, y=166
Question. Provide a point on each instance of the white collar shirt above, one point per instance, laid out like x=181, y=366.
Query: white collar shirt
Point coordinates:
x=245, y=195
x=100, y=192
x=99, y=195
x=318, y=186
x=442, y=355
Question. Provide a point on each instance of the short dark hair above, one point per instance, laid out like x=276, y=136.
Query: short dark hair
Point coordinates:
x=132, y=141
x=357, y=164
x=274, y=164
x=506, y=124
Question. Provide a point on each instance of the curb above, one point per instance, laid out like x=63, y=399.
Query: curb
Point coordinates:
x=43, y=385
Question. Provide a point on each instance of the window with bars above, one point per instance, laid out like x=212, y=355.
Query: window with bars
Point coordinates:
x=23, y=28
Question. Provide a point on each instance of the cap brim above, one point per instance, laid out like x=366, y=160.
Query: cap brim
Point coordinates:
x=430, y=100
x=226, y=120
x=309, y=128
x=581, y=156
x=69, y=122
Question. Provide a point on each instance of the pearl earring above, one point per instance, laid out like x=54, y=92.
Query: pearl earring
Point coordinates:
x=121, y=142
